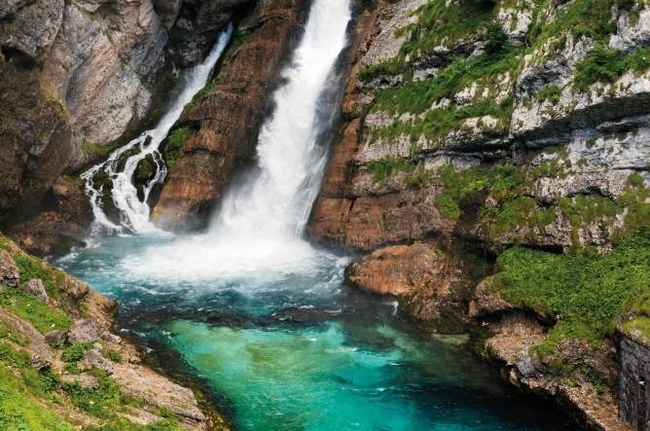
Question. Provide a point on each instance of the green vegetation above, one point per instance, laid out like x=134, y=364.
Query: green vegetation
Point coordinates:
x=174, y=143
x=44, y=317
x=607, y=65
x=587, y=293
x=551, y=92
x=33, y=399
x=474, y=184
x=19, y=408
x=75, y=352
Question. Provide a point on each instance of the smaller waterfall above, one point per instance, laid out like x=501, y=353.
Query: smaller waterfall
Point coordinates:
x=121, y=165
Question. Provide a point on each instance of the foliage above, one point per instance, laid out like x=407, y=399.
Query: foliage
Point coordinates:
x=114, y=355
x=607, y=65
x=28, y=307
x=125, y=425
x=20, y=411
x=551, y=92
x=102, y=402
x=587, y=293
x=75, y=352
x=174, y=143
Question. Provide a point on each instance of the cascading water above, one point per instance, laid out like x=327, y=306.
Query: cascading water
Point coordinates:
x=265, y=320
x=121, y=165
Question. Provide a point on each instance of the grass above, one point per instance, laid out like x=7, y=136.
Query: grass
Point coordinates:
x=45, y=318
x=20, y=410
x=588, y=293
x=607, y=65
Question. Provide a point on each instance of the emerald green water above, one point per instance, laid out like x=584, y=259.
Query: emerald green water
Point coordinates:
x=287, y=346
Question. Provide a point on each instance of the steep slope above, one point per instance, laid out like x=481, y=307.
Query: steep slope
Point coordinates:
x=507, y=131
x=62, y=366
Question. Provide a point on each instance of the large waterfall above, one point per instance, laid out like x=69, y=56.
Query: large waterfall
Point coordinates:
x=121, y=165
x=260, y=222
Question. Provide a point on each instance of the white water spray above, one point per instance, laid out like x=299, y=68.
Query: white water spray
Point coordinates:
x=259, y=225
x=121, y=165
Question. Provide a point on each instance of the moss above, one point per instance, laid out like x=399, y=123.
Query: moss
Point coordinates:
x=638, y=326
x=174, y=143
x=588, y=293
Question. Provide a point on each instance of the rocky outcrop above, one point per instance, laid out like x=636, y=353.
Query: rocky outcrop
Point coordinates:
x=425, y=280
x=226, y=119
x=80, y=353
x=78, y=77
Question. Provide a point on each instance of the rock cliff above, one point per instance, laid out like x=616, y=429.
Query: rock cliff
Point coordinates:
x=518, y=131
x=217, y=134
x=78, y=77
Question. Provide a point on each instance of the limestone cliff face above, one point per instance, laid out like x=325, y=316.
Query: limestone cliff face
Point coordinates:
x=224, y=121
x=77, y=77
x=431, y=101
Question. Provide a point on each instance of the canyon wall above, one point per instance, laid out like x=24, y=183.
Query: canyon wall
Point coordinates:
x=493, y=164
x=217, y=134
x=78, y=78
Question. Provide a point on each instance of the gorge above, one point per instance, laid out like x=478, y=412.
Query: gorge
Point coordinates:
x=485, y=191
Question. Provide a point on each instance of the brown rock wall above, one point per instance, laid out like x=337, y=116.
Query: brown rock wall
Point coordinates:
x=228, y=118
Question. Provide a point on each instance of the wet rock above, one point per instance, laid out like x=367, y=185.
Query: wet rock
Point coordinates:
x=9, y=273
x=83, y=331
x=35, y=287
x=424, y=278
x=228, y=118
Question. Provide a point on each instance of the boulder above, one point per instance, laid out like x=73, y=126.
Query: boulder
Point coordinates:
x=83, y=331
x=35, y=287
x=9, y=273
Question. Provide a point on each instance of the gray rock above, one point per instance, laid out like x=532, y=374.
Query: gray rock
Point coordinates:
x=94, y=359
x=33, y=27
x=73, y=287
x=9, y=273
x=55, y=337
x=83, y=380
x=35, y=287
x=111, y=338
x=83, y=331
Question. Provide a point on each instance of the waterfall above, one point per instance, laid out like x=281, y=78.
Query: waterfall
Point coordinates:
x=121, y=165
x=275, y=203
x=259, y=225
